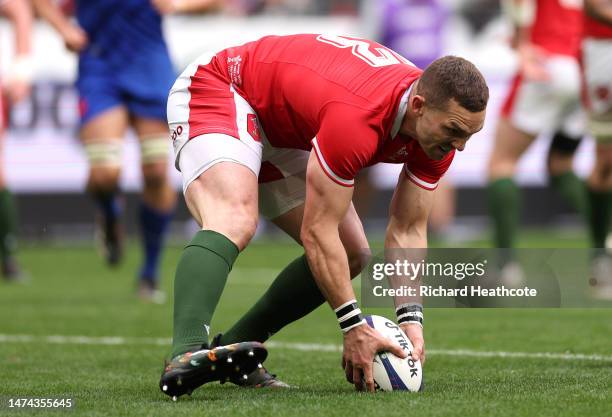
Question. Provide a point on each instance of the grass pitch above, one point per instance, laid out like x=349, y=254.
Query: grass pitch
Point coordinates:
x=72, y=294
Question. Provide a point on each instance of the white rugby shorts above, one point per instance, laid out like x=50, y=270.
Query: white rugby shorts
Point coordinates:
x=548, y=106
x=281, y=172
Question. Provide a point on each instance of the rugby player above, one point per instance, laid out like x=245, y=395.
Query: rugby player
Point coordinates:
x=118, y=42
x=544, y=98
x=17, y=87
x=283, y=125
x=597, y=59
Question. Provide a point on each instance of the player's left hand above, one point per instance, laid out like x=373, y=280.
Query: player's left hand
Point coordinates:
x=415, y=334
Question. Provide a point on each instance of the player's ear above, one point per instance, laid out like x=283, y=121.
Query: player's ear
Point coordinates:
x=417, y=104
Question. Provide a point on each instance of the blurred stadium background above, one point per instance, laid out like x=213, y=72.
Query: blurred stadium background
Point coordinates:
x=46, y=167
x=77, y=330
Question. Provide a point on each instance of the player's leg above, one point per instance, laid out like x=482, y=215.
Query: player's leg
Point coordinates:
x=158, y=201
x=503, y=193
x=561, y=172
x=294, y=292
x=530, y=108
x=146, y=95
x=600, y=193
x=102, y=136
x=219, y=176
x=598, y=67
x=220, y=185
x=600, y=199
x=8, y=218
x=223, y=200
x=442, y=213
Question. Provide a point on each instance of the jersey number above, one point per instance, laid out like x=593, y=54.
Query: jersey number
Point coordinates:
x=364, y=50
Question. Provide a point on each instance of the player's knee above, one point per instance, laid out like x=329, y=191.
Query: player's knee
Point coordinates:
x=104, y=157
x=241, y=228
x=601, y=176
x=501, y=167
x=103, y=178
x=155, y=176
x=606, y=173
x=558, y=164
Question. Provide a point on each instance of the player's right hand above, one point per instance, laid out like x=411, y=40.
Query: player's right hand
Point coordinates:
x=75, y=38
x=361, y=343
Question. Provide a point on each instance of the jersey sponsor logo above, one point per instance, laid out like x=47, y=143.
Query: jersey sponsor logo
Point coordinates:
x=375, y=56
x=253, y=127
x=176, y=133
x=233, y=69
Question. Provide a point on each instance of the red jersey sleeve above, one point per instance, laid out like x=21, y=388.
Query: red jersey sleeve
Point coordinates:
x=426, y=172
x=346, y=142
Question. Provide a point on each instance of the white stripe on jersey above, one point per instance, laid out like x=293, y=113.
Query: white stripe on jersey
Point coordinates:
x=422, y=183
x=401, y=111
x=326, y=167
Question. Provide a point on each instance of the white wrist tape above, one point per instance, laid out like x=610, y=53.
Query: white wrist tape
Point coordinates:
x=349, y=315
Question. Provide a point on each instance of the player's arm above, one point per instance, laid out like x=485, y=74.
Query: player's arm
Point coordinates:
x=406, y=237
x=600, y=10
x=187, y=6
x=19, y=14
x=325, y=207
x=73, y=35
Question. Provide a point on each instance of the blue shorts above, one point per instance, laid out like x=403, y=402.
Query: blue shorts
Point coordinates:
x=142, y=86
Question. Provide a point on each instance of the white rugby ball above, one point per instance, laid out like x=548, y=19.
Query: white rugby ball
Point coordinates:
x=390, y=372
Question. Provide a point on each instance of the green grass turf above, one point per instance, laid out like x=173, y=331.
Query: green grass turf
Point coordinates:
x=71, y=293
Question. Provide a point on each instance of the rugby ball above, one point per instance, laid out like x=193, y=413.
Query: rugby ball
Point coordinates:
x=390, y=372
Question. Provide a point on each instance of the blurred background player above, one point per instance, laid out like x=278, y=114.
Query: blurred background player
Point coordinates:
x=597, y=60
x=415, y=29
x=544, y=98
x=16, y=85
x=124, y=78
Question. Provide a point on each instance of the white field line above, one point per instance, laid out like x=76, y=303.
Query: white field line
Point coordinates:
x=307, y=347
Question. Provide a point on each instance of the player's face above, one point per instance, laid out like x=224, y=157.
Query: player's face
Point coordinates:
x=439, y=131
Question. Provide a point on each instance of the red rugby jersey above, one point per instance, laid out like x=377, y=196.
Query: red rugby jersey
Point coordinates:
x=345, y=97
x=557, y=26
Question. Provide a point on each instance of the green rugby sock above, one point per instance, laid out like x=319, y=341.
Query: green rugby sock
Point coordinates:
x=504, y=206
x=200, y=278
x=8, y=223
x=599, y=221
x=573, y=190
x=292, y=295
